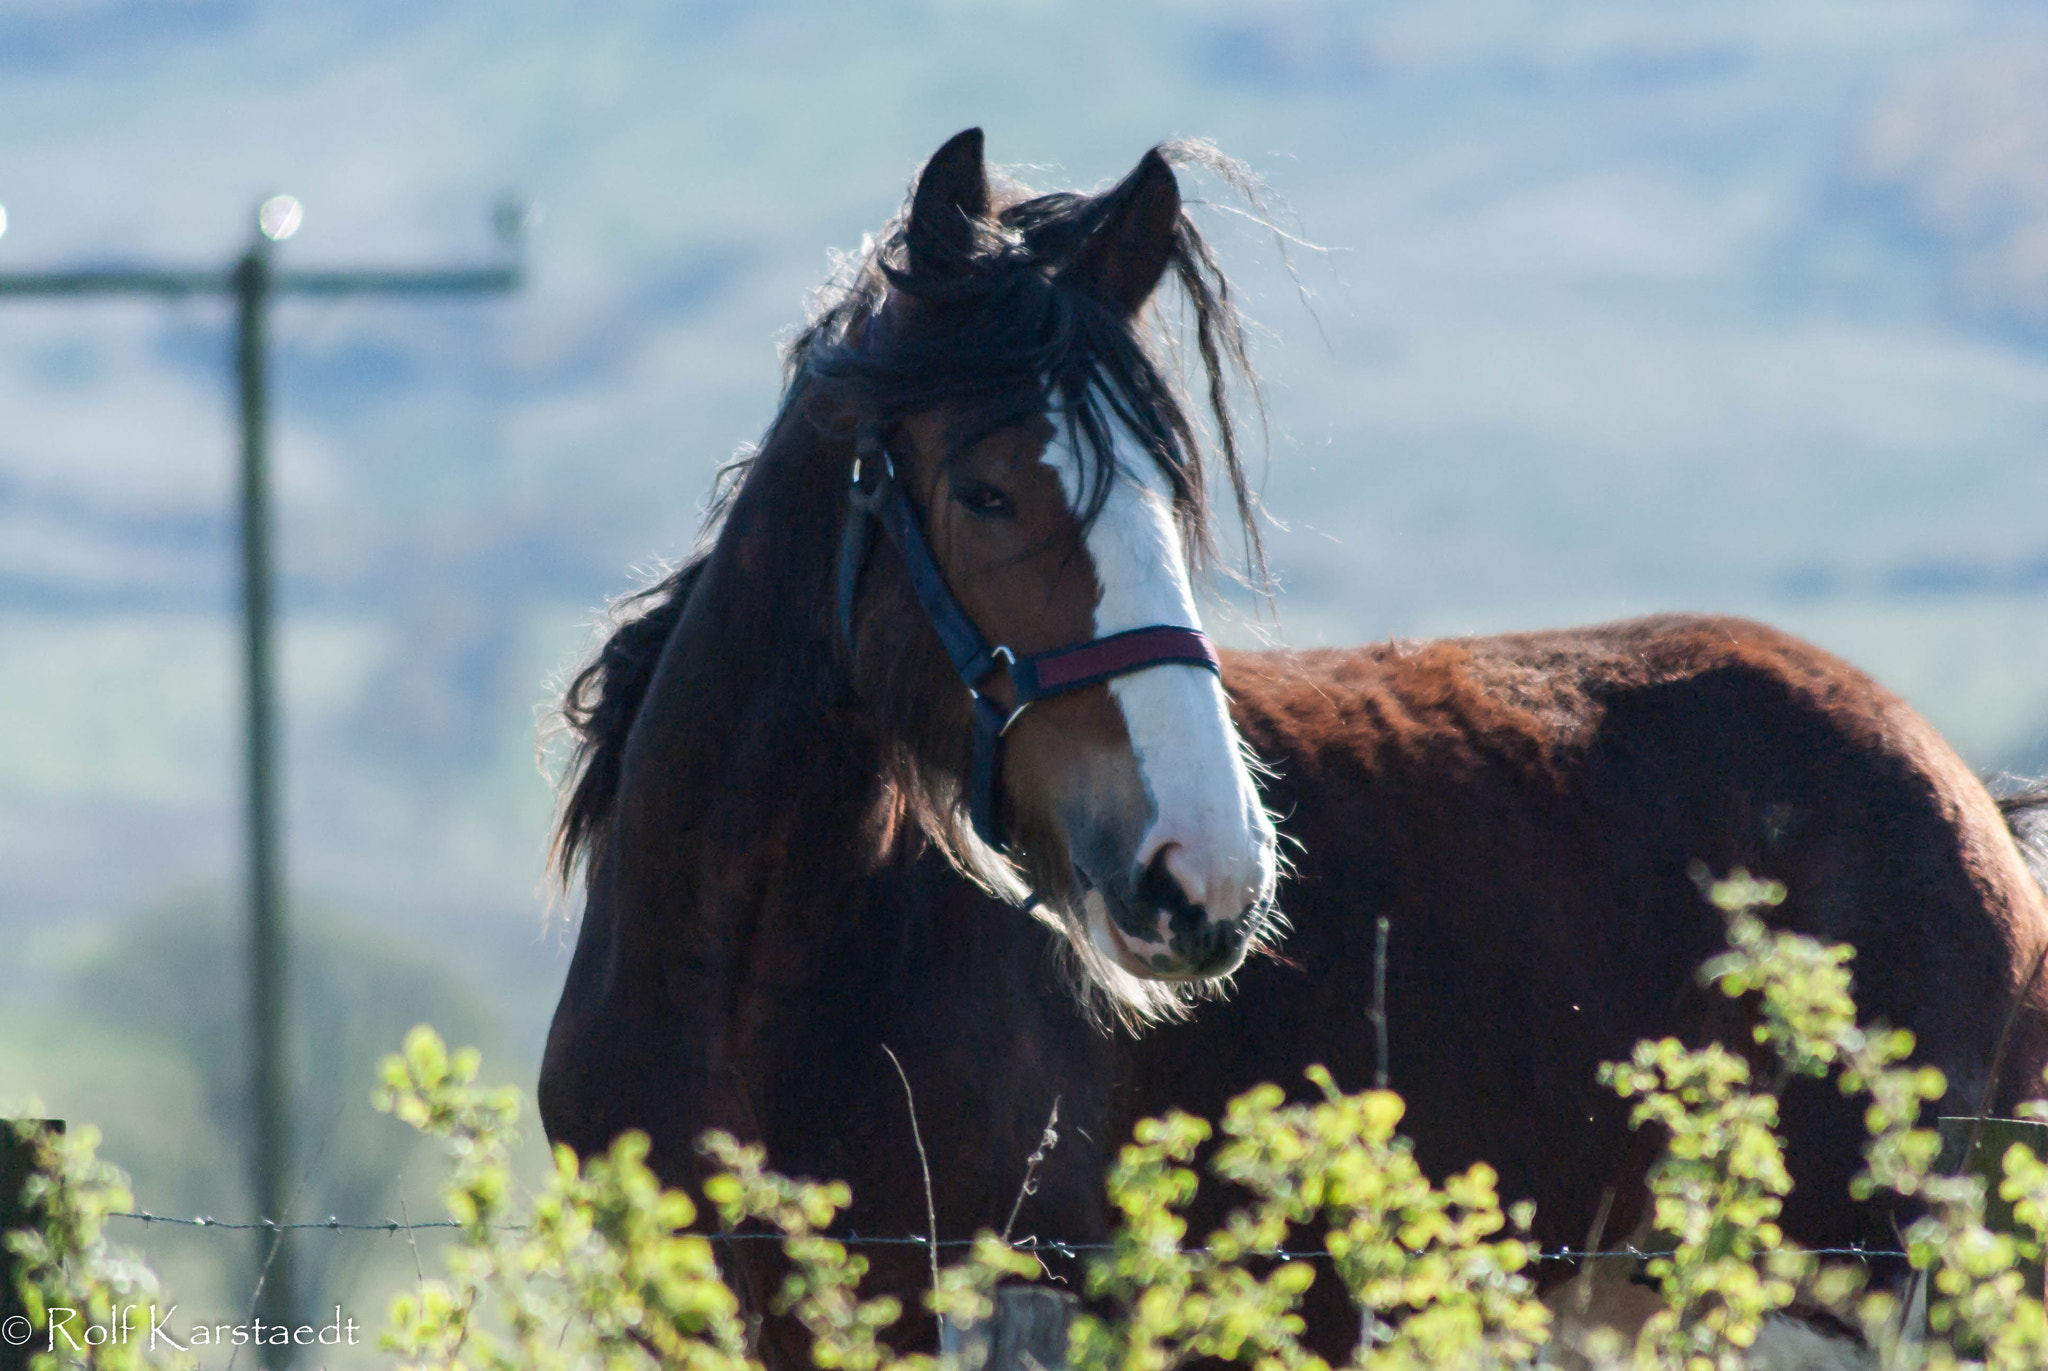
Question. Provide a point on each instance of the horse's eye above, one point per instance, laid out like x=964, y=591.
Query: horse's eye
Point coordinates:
x=984, y=501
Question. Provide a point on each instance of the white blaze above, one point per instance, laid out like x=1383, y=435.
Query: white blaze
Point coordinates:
x=1206, y=814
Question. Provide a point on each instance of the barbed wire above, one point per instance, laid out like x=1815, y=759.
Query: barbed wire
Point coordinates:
x=1034, y=1245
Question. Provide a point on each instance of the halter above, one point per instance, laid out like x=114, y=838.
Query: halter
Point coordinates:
x=876, y=497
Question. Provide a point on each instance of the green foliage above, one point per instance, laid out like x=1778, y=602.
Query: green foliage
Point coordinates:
x=577, y=1288
x=820, y=1290
x=599, y=1269
x=1178, y=1302
x=1434, y=1286
x=600, y=1274
x=594, y=1273
x=1717, y=1192
x=1718, y=1188
x=82, y=1295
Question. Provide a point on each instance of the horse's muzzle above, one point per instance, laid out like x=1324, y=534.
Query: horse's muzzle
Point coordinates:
x=1157, y=933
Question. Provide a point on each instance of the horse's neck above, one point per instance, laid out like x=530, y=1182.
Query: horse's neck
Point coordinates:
x=747, y=769
x=741, y=843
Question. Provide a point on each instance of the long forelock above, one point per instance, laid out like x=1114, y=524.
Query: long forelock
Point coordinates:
x=1010, y=335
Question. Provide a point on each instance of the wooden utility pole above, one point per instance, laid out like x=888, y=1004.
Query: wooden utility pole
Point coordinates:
x=253, y=282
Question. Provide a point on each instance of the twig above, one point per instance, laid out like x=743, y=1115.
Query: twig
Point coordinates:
x=417, y=1269
x=1584, y=1294
x=1911, y=1323
x=1990, y=1093
x=262, y=1275
x=931, y=1210
x=2012, y=1018
x=277, y=1225
x=1379, y=998
x=1047, y=1141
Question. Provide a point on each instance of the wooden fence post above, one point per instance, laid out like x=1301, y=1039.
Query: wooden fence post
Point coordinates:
x=1027, y=1332
x=17, y=1160
x=1994, y=1137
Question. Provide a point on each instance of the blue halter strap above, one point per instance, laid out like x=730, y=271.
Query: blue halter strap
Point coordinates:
x=875, y=498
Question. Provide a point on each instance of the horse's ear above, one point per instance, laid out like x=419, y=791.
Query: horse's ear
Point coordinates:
x=1128, y=249
x=952, y=196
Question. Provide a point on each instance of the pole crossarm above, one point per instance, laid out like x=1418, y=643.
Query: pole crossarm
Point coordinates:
x=448, y=281
x=116, y=281
x=364, y=281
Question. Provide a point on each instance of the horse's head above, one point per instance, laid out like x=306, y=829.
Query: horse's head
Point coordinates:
x=1018, y=441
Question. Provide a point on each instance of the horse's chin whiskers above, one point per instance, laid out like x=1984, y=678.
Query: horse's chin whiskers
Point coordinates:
x=1112, y=993
x=1112, y=997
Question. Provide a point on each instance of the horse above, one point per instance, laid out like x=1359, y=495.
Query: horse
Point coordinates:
x=916, y=802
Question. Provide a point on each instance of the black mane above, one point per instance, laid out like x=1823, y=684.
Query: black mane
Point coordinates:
x=599, y=705
x=992, y=330
x=995, y=329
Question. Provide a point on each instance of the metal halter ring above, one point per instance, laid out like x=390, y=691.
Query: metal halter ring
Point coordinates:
x=1009, y=659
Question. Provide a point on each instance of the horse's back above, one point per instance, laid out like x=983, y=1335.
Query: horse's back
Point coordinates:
x=1530, y=811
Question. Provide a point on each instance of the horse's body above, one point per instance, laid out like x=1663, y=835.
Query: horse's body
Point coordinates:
x=767, y=910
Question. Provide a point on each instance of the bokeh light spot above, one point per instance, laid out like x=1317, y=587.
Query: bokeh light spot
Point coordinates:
x=279, y=217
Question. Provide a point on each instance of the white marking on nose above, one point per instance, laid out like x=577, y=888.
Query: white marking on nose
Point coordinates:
x=1209, y=828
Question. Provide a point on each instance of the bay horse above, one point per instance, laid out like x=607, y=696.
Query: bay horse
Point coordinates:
x=924, y=750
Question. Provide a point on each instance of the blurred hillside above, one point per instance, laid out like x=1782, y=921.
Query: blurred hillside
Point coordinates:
x=1728, y=306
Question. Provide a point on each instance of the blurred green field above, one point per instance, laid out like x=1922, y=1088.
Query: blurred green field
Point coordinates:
x=138, y=1030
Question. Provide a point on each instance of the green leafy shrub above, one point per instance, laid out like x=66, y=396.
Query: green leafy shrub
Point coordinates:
x=598, y=1268
x=1434, y=1285
x=80, y=1293
x=593, y=1271
x=1719, y=1186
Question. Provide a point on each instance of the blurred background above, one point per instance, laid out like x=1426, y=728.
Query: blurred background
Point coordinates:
x=1731, y=305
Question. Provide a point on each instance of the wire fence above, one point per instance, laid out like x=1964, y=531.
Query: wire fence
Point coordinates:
x=1032, y=1245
